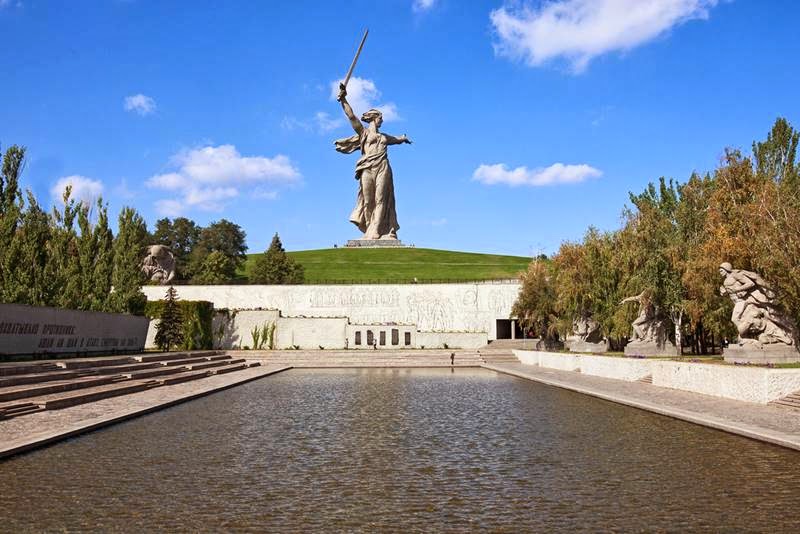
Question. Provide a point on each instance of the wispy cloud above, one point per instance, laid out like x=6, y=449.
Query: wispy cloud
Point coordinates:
x=321, y=122
x=419, y=6
x=207, y=177
x=364, y=95
x=140, y=104
x=580, y=30
x=557, y=173
x=84, y=190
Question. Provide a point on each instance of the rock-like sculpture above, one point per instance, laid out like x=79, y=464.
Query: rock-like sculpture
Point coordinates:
x=766, y=334
x=586, y=336
x=374, y=214
x=159, y=264
x=649, y=330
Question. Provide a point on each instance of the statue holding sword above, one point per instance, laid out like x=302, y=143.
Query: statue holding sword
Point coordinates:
x=374, y=214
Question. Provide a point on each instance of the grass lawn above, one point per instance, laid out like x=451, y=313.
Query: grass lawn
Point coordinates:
x=401, y=265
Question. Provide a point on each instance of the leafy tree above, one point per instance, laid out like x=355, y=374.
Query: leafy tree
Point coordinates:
x=224, y=237
x=26, y=278
x=217, y=268
x=63, y=266
x=276, y=267
x=127, y=277
x=181, y=236
x=535, y=307
x=169, y=330
x=10, y=207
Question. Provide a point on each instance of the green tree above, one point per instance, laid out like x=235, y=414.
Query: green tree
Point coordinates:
x=181, y=236
x=127, y=277
x=276, y=267
x=169, y=330
x=11, y=206
x=535, y=307
x=224, y=237
x=216, y=268
x=26, y=257
x=63, y=266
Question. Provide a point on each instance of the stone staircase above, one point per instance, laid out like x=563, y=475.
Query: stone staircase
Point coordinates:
x=492, y=356
x=792, y=400
x=646, y=379
x=32, y=387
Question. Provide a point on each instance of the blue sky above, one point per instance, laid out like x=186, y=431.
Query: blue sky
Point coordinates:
x=530, y=120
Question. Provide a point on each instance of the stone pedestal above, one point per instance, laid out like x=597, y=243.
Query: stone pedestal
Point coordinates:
x=650, y=350
x=756, y=353
x=374, y=243
x=584, y=346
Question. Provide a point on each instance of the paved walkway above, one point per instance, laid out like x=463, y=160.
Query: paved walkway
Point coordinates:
x=27, y=432
x=774, y=424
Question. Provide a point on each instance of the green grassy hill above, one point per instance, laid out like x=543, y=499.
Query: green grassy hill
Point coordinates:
x=386, y=265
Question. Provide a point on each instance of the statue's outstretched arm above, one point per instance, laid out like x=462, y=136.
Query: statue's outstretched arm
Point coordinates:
x=392, y=140
x=348, y=111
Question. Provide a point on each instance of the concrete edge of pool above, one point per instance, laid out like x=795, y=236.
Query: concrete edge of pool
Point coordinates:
x=166, y=397
x=747, y=430
x=565, y=380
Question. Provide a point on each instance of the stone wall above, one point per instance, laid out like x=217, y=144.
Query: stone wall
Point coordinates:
x=749, y=384
x=361, y=336
x=469, y=307
x=44, y=330
x=311, y=332
x=453, y=340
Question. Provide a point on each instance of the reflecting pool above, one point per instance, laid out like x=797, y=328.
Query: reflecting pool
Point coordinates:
x=417, y=450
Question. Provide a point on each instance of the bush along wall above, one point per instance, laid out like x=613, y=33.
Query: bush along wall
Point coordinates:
x=197, y=318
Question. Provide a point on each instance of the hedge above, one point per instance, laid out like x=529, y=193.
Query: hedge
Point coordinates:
x=197, y=319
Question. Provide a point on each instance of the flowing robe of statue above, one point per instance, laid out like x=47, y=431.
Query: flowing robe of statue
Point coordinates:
x=374, y=213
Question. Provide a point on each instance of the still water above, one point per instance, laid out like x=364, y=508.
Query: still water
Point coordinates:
x=401, y=450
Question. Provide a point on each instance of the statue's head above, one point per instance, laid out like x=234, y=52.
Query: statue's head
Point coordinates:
x=725, y=268
x=373, y=115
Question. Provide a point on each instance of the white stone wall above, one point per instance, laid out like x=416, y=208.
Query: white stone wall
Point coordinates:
x=469, y=307
x=233, y=329
x=311, y=332
x=39, y=329
x=557, y=360
x=453, y=340
x=528, y=357
x=628, y=369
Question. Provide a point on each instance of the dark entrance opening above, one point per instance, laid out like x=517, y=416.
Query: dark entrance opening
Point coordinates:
x=504, y=329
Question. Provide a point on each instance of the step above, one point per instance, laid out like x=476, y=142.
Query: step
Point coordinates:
x=646, y=379
x=95, y=362
x=58, y=402
x=21, y=409
x=126, y=368
x=218, y=363
x=230, y=368
x=37, y=378
x=254, y=364
x=160, y=371
x=27, y=368
x=183, y=377
x=186, y=361
x=163, y=357
x=36, y=390
x=783, y=402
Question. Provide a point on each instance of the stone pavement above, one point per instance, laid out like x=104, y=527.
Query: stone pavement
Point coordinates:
x=20, y=434
x=773, y=424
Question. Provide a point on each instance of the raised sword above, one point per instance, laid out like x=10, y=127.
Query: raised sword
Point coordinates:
x=355, y=60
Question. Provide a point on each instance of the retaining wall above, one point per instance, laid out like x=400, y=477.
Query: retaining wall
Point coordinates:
x=45, y=330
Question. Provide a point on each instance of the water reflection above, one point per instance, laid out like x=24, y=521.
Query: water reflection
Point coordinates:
x=399, y=449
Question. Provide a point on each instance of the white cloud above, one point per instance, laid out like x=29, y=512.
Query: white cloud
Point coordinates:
x=326, y=123
x=557, y=173
x=422, y=5
x=322, y=122
x=84, y=189
x=439, y=222
x=207, y=177
x=580, y=30
x=141, y=104
x=169, y=208
x=363, y=95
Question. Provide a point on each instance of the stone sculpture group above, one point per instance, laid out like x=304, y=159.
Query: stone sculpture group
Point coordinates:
x=766, y=334
x=650, y=336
